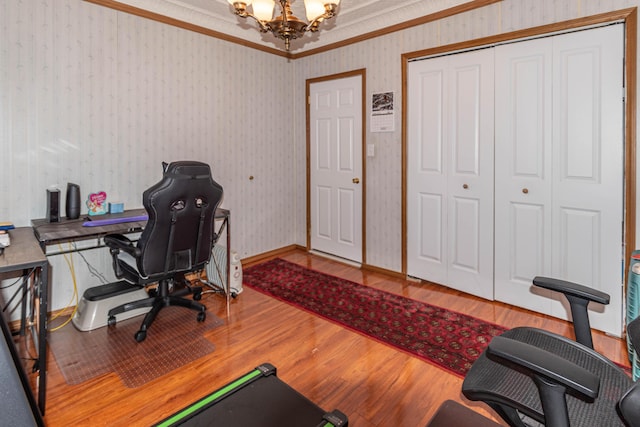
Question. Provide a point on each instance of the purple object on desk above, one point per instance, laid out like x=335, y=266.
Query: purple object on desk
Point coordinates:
x=109, y=221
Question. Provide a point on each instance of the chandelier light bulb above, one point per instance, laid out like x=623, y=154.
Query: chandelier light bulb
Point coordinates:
x=263, y=9
x=314, y=8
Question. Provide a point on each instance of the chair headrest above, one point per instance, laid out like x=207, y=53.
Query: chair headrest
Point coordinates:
x=188, y=169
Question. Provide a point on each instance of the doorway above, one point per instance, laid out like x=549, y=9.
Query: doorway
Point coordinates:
x=335, y=166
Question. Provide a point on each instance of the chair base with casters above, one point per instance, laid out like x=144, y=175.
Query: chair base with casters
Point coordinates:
x=159, y=299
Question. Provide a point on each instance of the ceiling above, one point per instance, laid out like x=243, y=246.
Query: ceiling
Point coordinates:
x=355, y=18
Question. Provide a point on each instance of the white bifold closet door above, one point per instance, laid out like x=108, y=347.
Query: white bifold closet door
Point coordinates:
x=559, y=169
x=450, y=171
x=551, y=200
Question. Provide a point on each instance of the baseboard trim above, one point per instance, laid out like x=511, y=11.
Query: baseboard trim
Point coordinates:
x=336, y=258
x=276, y=252
x=374, y=269
x=15, y=324
x=270, y=254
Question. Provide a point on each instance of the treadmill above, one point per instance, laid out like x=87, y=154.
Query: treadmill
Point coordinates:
x=257, y=399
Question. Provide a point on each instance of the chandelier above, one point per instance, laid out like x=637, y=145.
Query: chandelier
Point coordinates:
x=286, y=26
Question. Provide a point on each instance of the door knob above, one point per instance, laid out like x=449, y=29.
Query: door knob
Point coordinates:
x=525, y=190
x=465, y=186
x=356, y=181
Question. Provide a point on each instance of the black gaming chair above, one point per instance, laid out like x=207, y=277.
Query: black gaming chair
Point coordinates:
x=178, y=238
x=531, y=376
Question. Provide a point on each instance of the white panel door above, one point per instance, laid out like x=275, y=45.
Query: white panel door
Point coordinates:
x=336, y=167
x=470, y=172
x=523, y=172
x=588, y=151
x=450, y=171
x=427, y=205
x=572, y=148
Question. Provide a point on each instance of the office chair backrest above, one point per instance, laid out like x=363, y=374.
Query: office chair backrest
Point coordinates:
x=179, y=234
x=629, y=405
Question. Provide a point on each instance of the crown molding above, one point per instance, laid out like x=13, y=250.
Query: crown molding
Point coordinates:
x=352, y=25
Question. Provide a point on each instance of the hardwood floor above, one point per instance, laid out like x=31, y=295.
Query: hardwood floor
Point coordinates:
x=372, y=383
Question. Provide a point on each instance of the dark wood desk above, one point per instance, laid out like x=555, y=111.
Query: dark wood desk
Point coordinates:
x=52, y=233
x=70, y=230
x=24, y=255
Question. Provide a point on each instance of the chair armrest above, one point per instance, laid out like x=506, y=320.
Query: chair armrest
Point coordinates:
x=540, y=362
x=579, y=297
x=118, y=242
x=573, y=289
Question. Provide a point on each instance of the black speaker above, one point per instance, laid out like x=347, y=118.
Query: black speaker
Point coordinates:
x=72, y=205
x=53, y=205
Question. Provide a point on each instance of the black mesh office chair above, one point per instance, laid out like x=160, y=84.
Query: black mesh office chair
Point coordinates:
x=530, y=376
x=178, y=238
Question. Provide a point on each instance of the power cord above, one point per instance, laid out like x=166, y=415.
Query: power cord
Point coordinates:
x=74, y=297
x=94, y=272
x=24, y=294
x=17, y=280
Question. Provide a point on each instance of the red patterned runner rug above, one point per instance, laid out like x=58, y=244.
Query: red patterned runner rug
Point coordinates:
x=439, y=336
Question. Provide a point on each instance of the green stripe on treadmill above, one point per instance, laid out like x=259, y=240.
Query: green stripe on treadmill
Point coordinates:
x=213, y=396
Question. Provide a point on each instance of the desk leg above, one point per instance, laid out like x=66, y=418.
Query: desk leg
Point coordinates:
x=228, y=278
x=43, y=293
x=23, y=304
x=22, y=293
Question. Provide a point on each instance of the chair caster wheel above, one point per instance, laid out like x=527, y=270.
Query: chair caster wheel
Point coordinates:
x=141, y=335
x=201, y=316
x=111, y=321
x=197, y=296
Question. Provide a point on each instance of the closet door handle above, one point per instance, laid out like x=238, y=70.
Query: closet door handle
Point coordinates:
x=465, y=186
x=355, y=181
x=525, y=190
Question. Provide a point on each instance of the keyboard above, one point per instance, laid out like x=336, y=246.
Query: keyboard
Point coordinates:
x=119, y=220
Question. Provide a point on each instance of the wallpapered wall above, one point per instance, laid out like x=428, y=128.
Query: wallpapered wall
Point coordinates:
x=98, y=97
x=382, y=59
